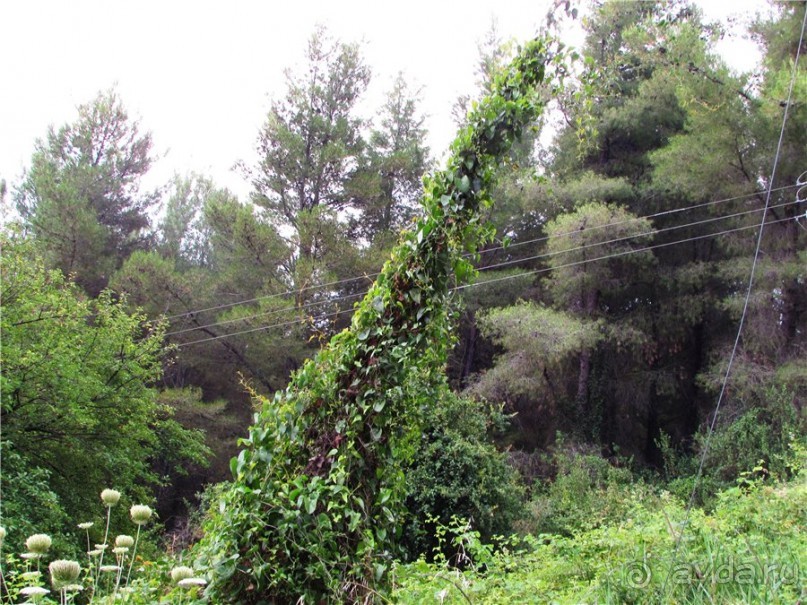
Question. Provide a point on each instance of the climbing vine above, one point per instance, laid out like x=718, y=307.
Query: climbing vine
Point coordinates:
x=315, y=508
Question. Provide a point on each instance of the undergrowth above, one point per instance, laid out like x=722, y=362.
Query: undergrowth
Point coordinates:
x=751, y=548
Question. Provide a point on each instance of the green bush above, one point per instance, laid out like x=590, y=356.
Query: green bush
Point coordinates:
x=457, y=472
x=586, y=492
x=29, y=505
x=758, y=443
x=77, y=408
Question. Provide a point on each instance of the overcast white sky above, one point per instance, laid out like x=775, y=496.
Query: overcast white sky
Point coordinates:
x=199, y=74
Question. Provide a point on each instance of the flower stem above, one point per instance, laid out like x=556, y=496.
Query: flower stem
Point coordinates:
x=121, y=563
x=134, y=552
x=101, y=558
x=2, y=581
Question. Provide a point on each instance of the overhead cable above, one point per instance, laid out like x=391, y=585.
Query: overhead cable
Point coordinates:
x=370, y=276
x=486, y=282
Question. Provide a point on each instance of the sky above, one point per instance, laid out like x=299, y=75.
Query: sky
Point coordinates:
x=200, y=74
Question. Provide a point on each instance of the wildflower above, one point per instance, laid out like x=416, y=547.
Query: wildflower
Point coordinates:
x=110, y=497
x=73, y=588
x=64, y=572
x=38, y=543
x=2, y=535
x=181, y=573
x=34, y=591
x=109, y=568
x=124, y=541
x=187, y=582
x=140, y=513
x=86, y=525
x=30, y=555
x=120, y=550
x=94, y=553
x=101, y=546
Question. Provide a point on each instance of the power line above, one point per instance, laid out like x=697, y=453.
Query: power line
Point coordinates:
x=498, y=265
x=736, y=345
x=533, y=272
x=486, y=251
x=270, y=296
x=638, y=218
x=628, y=237
x=618, y=254
x=268, y=313
x=258, y=329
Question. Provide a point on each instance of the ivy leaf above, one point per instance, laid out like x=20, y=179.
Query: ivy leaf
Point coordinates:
x=310, y=504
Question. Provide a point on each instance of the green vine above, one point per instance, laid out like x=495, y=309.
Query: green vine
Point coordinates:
x=315, y=508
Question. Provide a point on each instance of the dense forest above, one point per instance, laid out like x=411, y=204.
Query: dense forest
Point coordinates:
x=581, y=338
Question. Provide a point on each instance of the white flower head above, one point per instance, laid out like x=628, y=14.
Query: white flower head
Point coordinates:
x=63, y=572
x=34, y=591
x=110, y=497
x=140, y=513
x=38, y=543
x=109, y=568
x=181, y=573
x=124, y=541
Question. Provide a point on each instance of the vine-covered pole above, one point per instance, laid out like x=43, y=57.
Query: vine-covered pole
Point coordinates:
x=316, y=504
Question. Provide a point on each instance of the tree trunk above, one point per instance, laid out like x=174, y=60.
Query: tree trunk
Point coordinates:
x=584, y=376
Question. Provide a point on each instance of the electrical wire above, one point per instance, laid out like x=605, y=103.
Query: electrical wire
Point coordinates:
x=618, y=254
x=746, y=303
x=370, y=276
x=495, y=280
x=628, y=237
x=258, y=329
x=270, y=296
x=638, y=218
x=268, y=313
x=494, y=266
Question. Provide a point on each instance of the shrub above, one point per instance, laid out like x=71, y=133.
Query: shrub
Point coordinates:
x=759, y=438
x=457, y=472
x=587, y=492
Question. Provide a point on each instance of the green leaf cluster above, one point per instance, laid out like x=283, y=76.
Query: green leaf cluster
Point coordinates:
x=78, y=411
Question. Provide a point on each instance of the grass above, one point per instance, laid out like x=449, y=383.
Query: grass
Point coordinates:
x=752, y=548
